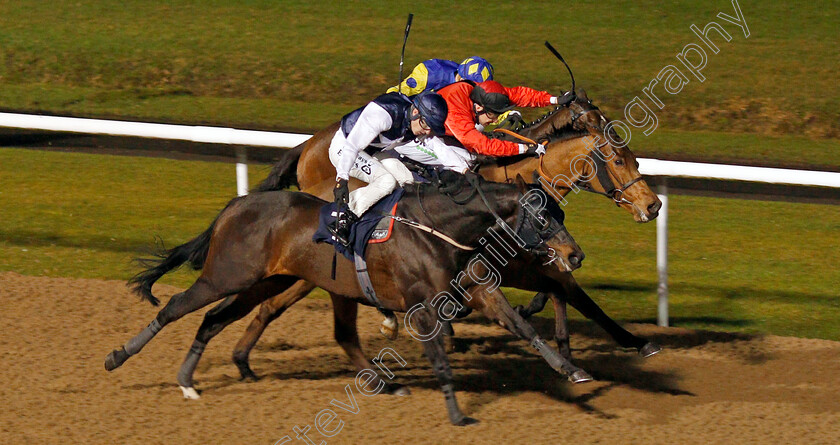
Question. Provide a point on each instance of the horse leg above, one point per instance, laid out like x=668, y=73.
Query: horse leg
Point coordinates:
x=496, y=307
x=436, y=352
x=269, y=311
x=448, y=333
x=536, y=305
x=578, y=298
x=390, y=327
x=200, y=294
x=561, y=326
x=345, y=312
x=228, y=311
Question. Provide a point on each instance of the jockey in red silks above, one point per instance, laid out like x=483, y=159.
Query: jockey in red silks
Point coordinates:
x=471, y=107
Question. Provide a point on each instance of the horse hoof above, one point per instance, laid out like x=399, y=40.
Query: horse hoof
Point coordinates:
x=250, y=377
x=580, y=376
x=390, y=332
x=522, y=311
x=247, y=375
x=398, y=390
x=465, y=421
x=189, y=392
x=650, y=349
x=115, y=359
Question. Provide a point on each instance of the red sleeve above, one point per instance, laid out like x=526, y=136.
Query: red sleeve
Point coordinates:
x=463, y=128
x=461, y=123
x=528, y=97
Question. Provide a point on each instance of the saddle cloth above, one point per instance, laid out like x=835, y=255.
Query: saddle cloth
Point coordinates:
x=371, y=228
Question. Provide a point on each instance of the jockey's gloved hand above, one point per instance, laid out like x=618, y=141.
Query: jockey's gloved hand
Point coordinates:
x=511, y=119
x=535, y=150
x=564, y=100
x=341, y=192
x=449, y=177
x=472, y=177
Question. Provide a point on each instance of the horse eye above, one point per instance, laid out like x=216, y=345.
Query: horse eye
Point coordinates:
x=545, y=220
x=560, y=216
x=619, y=161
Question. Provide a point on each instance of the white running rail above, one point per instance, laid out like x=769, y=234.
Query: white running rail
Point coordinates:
x=222, y=135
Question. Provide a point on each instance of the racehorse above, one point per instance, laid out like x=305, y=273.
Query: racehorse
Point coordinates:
x=261, y=244
x=583, y=126
x=573, y=134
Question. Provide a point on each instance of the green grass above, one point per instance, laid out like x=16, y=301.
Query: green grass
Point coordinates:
x=300, y=64
x=735, y=265
x=735, y=148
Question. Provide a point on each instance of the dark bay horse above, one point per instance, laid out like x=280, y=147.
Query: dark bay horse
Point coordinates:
x=575, y=133
x=261, y=244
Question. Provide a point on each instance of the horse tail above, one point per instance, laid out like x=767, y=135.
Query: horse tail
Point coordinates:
x=284, y=173
x=164, y=260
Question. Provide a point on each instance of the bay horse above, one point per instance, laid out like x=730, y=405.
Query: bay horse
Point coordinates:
x=261, y=244
x=574, y=133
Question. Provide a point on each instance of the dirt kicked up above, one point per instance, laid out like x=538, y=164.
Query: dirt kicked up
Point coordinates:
x=703, y=388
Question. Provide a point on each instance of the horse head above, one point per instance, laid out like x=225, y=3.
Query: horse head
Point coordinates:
x=596, y=159
x=519, y=212
x=540, y=229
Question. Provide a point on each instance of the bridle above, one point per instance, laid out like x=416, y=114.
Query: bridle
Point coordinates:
x=575, y=115
x=602, y=173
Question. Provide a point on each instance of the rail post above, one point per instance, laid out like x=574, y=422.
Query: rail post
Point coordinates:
x=662, y=254
x=241, y=171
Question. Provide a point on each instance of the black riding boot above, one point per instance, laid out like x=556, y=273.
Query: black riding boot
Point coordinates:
x=343, y=223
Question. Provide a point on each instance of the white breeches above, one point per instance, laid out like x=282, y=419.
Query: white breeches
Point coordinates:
x=382, y=176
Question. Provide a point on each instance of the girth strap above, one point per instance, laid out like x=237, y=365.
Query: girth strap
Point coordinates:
x=364, y=281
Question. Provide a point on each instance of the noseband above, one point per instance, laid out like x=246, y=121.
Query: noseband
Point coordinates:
x=532, y=231
x=601, y=171
x=535, y=230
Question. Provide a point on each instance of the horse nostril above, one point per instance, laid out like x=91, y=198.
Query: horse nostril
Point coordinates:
x=654, y=208
x=576, y=258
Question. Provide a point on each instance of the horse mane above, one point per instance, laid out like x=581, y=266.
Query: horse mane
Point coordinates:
x=540, y=129
x=435, y=187
x=546, y=126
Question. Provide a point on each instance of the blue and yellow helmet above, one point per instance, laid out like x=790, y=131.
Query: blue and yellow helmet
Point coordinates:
x=476, y=69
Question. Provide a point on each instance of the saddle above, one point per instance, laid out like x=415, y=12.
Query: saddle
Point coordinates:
x=371, y=228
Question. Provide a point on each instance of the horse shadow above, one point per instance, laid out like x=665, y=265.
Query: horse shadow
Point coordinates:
x=491, y=367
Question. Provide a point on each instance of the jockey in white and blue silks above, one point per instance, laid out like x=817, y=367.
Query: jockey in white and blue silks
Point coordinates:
x=391, y=121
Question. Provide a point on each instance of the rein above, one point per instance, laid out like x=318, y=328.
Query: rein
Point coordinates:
x=601, y=172
x=537, y=248
x=515, y=135
x=425, y=228
x=604, y=177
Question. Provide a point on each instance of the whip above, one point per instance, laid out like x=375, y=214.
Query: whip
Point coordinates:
x=402, y=54
x=556, y=54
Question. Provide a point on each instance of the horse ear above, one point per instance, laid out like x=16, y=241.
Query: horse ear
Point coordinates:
x=581, y=93
x=521, y=184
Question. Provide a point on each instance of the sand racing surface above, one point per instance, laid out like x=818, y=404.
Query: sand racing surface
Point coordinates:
x=703, y=388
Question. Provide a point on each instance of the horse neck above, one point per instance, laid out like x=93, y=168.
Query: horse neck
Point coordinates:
x=560, y=165
x=549, y=124
x=558, y=160
x=467, y=223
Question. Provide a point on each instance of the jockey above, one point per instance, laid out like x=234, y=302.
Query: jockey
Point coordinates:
x=482, y=104
x=434, y=74
x=392, y=120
